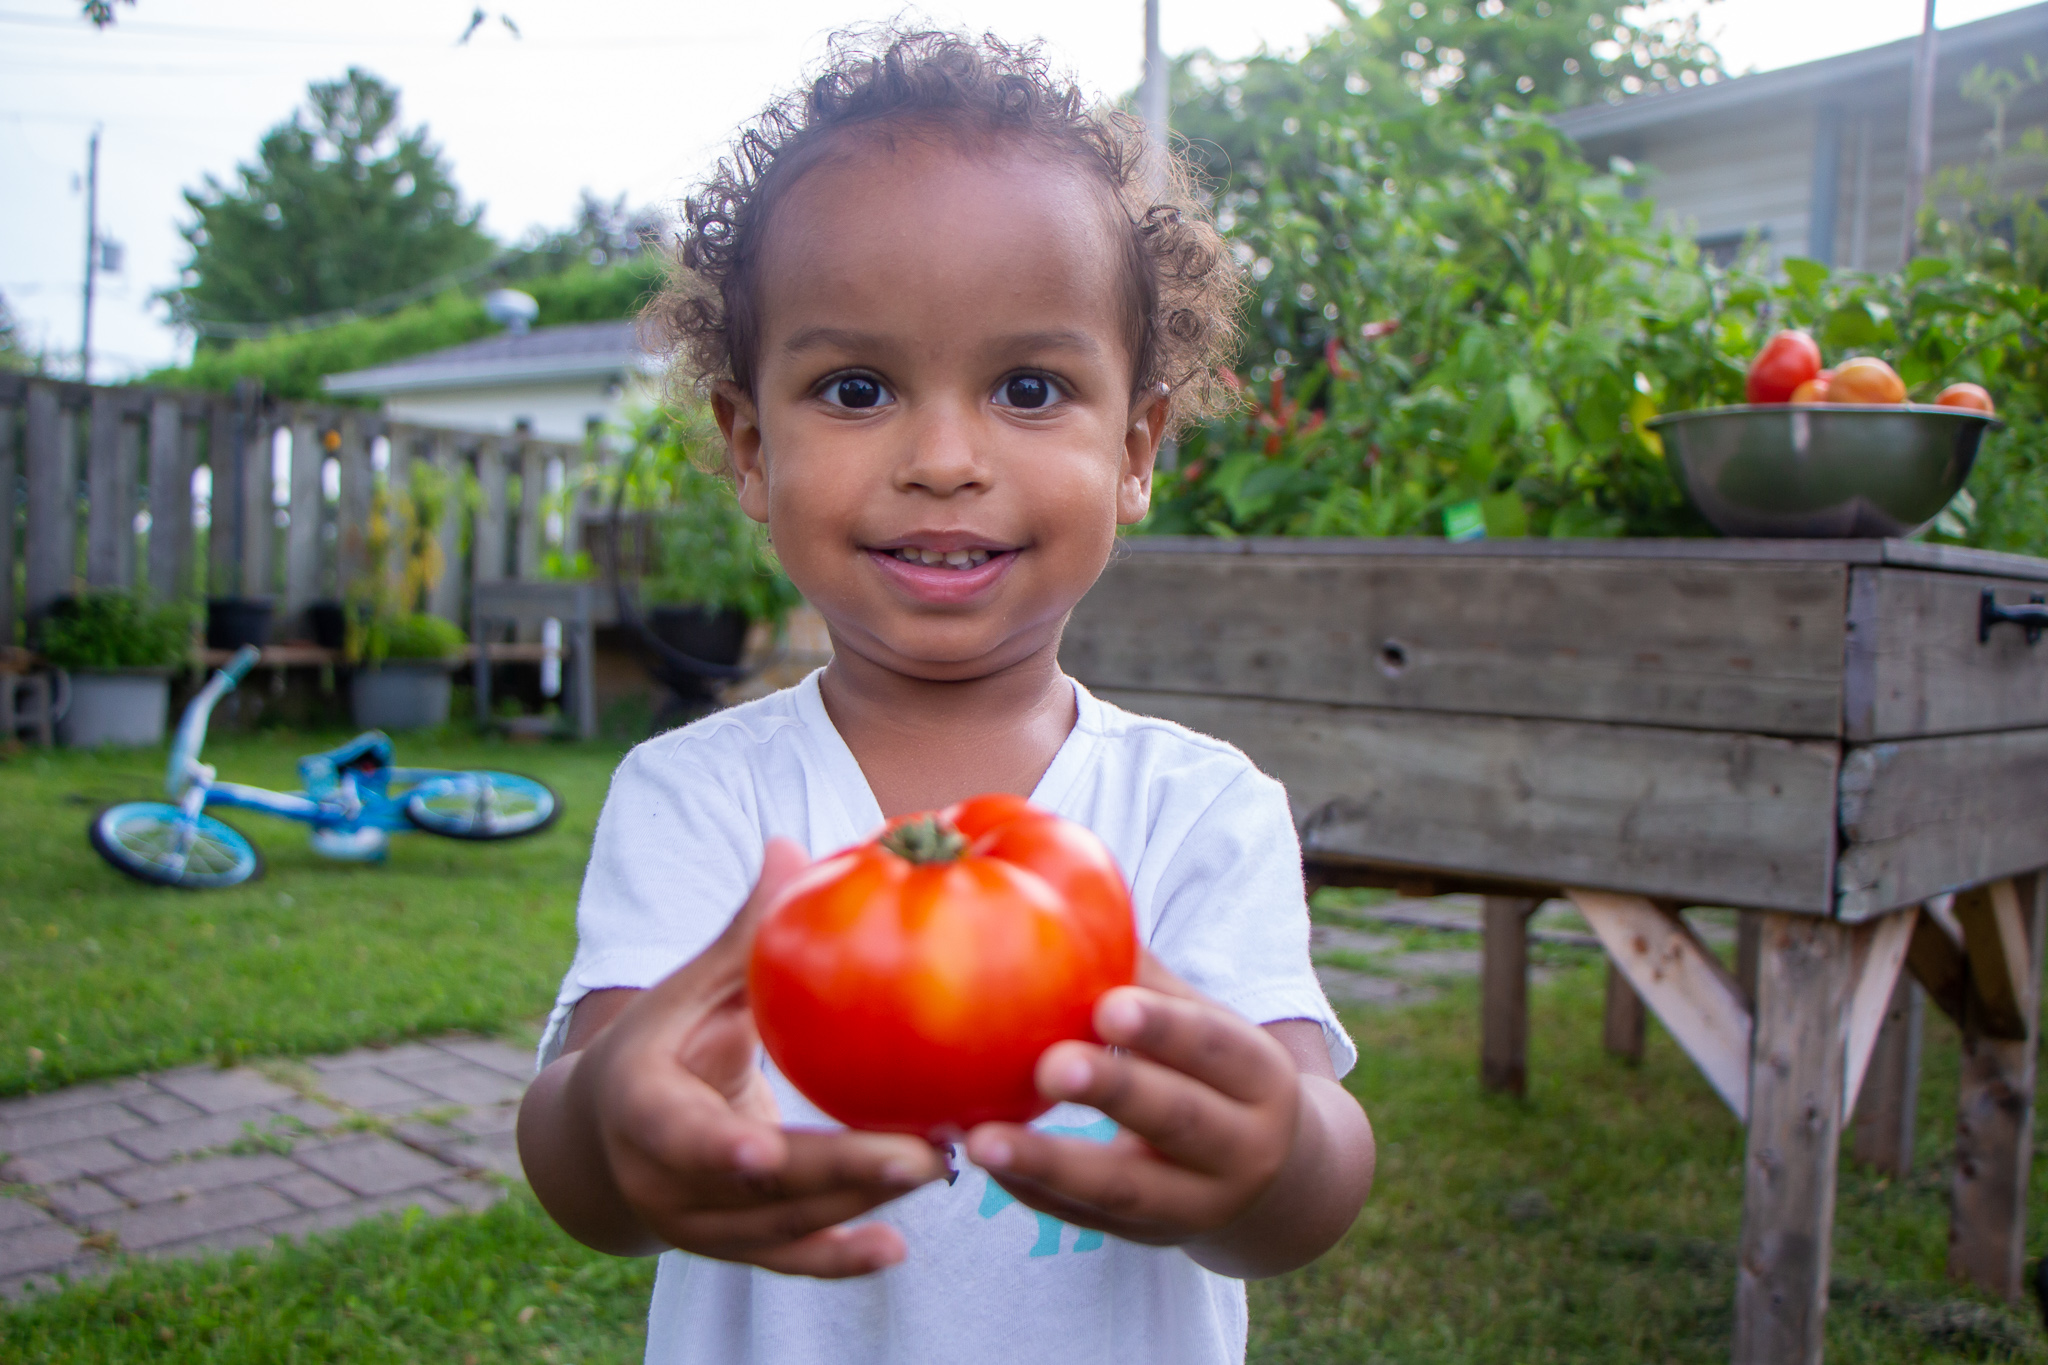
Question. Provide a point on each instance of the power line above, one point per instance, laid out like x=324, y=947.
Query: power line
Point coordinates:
x=381, y=40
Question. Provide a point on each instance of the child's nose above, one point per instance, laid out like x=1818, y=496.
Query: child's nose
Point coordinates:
x=941, y=457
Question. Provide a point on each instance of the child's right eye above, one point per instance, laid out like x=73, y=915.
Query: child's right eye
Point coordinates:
x=855, y=391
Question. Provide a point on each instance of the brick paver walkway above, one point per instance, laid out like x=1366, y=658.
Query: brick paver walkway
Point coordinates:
x=203, y=1159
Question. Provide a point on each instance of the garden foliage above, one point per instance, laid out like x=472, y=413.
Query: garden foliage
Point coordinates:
x=702, y=549
x=1451, y=306
x=113, y=629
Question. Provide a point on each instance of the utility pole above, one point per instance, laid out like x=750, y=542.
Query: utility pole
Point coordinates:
x=1152, y=95
x=1920, y=131
x=92, y=253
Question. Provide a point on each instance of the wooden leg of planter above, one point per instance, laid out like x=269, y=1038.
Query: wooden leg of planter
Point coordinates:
x=1504, y=994
x=2002, y=932
x=1806, y=969
x=1623, y=1030
x=1748, y=933
x=1891, y=1088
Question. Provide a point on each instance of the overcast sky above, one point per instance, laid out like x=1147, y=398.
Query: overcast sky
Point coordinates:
x=627, y=96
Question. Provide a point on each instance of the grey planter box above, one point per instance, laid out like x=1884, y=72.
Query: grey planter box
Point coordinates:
x=400, y=695
x=116, y=706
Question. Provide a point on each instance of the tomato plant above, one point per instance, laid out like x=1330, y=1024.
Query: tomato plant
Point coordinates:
x=910, y=983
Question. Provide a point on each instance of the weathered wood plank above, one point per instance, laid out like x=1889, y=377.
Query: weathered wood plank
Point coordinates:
x=109, y=495
x=1504, y=993
x=2000, y=958
x=1697, y=645
x=487, y=538
x=223, y=534
x=1624, y=1022
x=404, y=450
x=1796, y=1074
x=1748, y=944
x=170, y=501
x=259, y=504
x=1880, y=951
x=445, y=596
x=1907, y=553
x=1935, y=958
x=10, y=474
x=1924, y=816
x=50, y=543
x=1883, y=1122
x=1928, y=672
x=1711, y=819
x=1995, y=1129
x=1682, y=983
x=302, y=531
x=352, y=512
x=532, y=484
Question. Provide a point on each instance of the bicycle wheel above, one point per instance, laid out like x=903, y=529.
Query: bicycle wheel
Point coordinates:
x=156, y=842
x=482, y=805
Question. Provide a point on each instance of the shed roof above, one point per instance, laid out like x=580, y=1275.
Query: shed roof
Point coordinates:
x=577, y=350
x=1965, y=43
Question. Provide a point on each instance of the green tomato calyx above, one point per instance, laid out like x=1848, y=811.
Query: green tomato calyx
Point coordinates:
x=927, y=839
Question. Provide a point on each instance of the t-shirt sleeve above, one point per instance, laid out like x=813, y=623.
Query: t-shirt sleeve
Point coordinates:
x=675, y=855
x=1233, y=915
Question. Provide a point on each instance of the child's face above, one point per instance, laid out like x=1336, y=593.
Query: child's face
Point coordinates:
x=942, y=372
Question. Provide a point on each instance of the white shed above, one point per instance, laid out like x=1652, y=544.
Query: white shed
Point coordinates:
x=554, y=382
x=1811, y=159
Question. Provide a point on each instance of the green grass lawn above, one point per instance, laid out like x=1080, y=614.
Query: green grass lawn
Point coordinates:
x=101, y=975
x=1595, y=1221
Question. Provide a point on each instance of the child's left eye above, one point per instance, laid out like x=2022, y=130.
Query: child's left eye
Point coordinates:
x=1026, y=391
x=856, y=391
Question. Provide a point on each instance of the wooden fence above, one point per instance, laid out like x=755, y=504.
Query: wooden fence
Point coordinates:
x=191, y=495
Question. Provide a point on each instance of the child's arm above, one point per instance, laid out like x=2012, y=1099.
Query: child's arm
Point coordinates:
x=658, y=1130
x=1238, y=1144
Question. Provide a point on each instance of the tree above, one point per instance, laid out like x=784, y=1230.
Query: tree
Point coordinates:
x=12, y=356
x=342, y=207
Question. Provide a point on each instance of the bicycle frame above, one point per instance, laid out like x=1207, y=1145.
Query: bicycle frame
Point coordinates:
x=360, y=799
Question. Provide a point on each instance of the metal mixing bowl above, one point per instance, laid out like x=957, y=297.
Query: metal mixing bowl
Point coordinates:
x=1819, y=471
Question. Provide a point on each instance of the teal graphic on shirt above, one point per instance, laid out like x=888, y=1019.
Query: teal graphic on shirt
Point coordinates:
x=995, y=1198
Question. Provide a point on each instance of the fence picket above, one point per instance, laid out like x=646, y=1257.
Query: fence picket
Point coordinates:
x=532, y=479
x=302, y=532
x=397, y=481
x=488, y=538
x=10, y=468
x=223, y=543
x=170, y=502
x=352, y=513
x=259, y=504
x=110, y=495
x=444, y=598
x=52, y=503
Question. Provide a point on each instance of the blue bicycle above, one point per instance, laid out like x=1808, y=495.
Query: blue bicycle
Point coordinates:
x=355, y=800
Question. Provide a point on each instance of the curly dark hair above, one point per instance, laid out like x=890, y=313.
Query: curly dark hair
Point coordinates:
x=1184, y=286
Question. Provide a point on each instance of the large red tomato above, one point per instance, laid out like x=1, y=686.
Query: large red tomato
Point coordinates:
x=1787, y=360
x=909, y=984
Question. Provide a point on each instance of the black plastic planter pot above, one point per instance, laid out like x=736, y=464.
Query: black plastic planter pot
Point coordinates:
x=716, y=637
x=232, y=622
x=329, y=623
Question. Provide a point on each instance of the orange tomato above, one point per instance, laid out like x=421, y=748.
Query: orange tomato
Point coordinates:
x=1787, y=360
x=1971, y=396
x=1866, y=379
x=1814, y=390
x=909, y=984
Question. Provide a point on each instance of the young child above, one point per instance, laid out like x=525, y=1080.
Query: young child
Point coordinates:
x=946, y=311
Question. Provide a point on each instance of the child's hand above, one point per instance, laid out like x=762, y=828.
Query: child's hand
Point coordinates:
x=671, y=1101
x=1224, y=1146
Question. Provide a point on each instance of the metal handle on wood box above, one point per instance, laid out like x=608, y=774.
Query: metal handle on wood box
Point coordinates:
x=2031, y=617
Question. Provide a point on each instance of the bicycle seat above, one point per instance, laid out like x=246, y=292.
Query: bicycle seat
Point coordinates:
x=368, y=752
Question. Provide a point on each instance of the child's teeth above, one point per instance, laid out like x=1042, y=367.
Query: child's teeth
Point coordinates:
x=959, y=559
x=954, y=559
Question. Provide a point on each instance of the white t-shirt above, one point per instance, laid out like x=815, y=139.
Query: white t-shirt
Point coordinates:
x=1210, y=850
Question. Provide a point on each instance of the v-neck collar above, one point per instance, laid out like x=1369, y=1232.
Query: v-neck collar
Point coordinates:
x=862, y=813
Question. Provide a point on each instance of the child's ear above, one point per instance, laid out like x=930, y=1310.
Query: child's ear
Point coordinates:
x=740, y=423
x=1141, y=451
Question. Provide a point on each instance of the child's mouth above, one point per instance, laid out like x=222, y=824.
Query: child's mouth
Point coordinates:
x=943, y=577
x=951, y=559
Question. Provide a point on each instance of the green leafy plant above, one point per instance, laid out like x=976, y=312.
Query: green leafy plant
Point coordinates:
x=115, y=630
x=704, y=550
x=384, y=619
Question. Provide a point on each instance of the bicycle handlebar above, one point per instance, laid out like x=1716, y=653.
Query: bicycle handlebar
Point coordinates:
x=238, y=667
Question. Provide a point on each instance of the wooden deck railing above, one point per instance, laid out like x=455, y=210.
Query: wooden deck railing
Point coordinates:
x=192, y=495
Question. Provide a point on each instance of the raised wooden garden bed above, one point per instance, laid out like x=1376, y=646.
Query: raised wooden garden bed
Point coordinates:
x=1828, y=734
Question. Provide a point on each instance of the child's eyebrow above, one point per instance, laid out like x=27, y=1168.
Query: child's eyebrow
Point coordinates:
x=847, y=339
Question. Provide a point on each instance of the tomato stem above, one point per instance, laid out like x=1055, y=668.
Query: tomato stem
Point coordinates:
x=927, y=839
